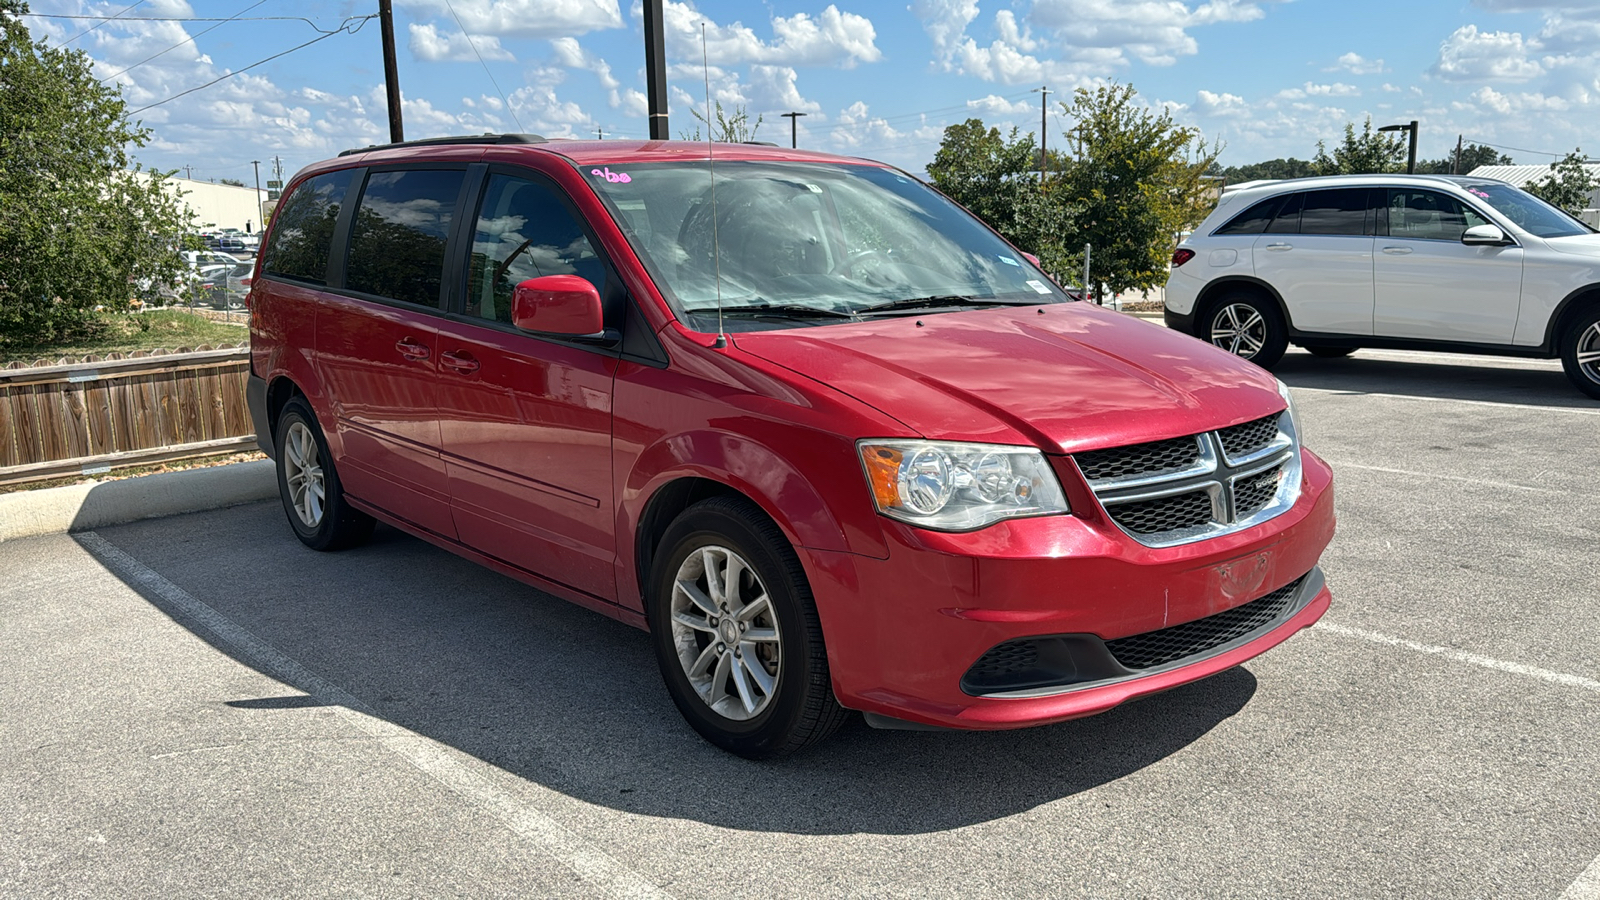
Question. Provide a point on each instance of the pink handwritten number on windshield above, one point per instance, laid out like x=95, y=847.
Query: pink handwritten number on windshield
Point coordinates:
x=607, y=174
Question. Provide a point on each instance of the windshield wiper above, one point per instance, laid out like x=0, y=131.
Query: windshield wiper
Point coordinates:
x=937, y=301
x=778, y=311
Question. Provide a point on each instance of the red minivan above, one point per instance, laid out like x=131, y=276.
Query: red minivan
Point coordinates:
x=832, y=441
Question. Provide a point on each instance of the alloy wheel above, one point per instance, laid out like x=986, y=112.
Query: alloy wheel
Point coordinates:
x=1589, y=352
x=302, y=469
x=1239, y=329
x=726, y=633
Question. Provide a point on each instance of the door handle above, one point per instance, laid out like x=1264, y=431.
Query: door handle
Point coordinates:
x=1280, y=246
x=459, y=361
x=412, y=350
x=1393, y=251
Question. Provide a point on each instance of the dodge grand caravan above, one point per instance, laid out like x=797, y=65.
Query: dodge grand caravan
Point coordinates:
x=834, y=443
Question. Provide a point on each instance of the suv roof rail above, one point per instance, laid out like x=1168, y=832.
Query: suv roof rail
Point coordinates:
x=760, y=143
x=455, y=139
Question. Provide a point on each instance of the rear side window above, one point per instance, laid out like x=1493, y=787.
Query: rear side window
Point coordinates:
x=1253, y=220
x=397, y=241
x=302, y=235
x=1342, y=211
x=1288, y=218
x=524, y=231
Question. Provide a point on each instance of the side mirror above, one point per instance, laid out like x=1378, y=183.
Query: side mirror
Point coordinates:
x=1489, y=235
x=557, y=304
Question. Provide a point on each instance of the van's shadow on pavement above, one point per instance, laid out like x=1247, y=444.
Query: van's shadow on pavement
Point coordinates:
x=1436, y=376
x=573, y=701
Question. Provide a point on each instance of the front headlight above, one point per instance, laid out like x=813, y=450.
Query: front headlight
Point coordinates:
x=1294, y=414
x=949, y=486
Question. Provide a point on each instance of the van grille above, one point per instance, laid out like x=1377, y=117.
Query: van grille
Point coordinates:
x=1155, y=648
x=1164, y=514
x=1173, y=455
x=1242, y=440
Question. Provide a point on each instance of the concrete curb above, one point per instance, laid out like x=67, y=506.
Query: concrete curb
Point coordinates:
x=79, y=507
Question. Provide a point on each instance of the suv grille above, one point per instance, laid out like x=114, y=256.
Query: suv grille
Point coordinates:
x=1180, y=490
x=1155, y=648
x=1173, y=455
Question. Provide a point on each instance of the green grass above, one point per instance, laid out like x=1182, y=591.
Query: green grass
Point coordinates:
x=160, y=329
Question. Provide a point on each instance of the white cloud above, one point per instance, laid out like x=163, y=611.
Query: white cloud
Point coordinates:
x=428, y=44
x=1227, y=106
x=775, y=88
x=1356, y=64
x=1000, y=106
x=946, y=23
x=524, y=18
x=1472, y=55
x=1153, y=31
x=831, y=38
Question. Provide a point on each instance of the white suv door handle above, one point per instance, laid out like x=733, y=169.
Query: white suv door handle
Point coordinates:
x=1393, y=250
x=1280, y=246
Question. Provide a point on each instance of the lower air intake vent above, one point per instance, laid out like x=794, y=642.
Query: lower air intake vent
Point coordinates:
x=1155, y=648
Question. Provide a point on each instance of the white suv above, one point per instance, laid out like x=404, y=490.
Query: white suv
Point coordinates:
x=1409, y=261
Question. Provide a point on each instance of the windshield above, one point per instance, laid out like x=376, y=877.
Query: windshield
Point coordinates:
x=809, y=243
x=1531, y=214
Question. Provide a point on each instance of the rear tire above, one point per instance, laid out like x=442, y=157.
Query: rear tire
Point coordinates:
x=309, y=484
x=1580, y=352
x=1249, y=326
x=1330, y=352
x=743, y=659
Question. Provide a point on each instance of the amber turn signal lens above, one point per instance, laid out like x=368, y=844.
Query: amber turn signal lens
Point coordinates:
x=883, y=472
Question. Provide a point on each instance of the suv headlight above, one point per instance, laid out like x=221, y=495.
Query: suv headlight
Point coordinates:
x=949, y=486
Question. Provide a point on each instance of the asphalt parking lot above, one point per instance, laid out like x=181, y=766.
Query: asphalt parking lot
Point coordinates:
x=198, y=706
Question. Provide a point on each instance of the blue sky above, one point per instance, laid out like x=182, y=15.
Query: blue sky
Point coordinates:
x=879, y=79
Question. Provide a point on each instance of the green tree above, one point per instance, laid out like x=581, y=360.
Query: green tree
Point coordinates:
x=728, y=129
x=1272, y=168
x=1140, y=179
x=1370, y=152
x=80, y=235
x=1569, y=184
x=997, y=178
x=231, y=181
x=1472, y=156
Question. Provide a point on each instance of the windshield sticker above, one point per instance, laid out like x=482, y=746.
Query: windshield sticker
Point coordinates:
x=1009, y=261
x=1478, y=193
x=607, y=174
x=1037, y=285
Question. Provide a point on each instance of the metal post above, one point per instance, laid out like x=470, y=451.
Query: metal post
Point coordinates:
x=1455, y=164
x=655, y=70
x=794, y=132
x=260, y=207
x=391, y=73
x=1044, y=154
x=1411, y=159
x=1085, y=271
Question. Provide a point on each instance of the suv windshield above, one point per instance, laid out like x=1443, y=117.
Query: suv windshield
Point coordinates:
x=1531, y=214
x=809, y=243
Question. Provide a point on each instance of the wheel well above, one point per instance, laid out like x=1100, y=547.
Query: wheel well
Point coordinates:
x=1215, y=291
x=1570, y=311
x=279, y=393
x=665, y=505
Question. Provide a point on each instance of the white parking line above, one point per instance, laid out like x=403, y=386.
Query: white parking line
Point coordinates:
x=1587, y=887
x=1575, y=410
x=448, y=766
x=1482, y=481
x=1562, y=678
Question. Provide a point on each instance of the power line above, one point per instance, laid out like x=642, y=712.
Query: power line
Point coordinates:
x=474, y=45
x=103, y=22
x=189, y=40
x=1517, y=149
x=104, y=19
x=343, y=29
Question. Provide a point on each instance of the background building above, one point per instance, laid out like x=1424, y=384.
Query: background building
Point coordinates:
x=217, y=206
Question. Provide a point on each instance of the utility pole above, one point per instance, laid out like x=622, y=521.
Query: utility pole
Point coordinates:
x=794, y=133
x=391, y=73
x=187, y=173
x=598, y=134
x=277, y=168
x=1044, y=155
x=655, y=70
x=260, y=207
x=1455, y=164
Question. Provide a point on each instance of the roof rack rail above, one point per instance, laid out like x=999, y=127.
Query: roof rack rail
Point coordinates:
x=455, y=139
x=760, y=143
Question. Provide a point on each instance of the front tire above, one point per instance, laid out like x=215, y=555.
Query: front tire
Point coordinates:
x=1249, y=326
x=736, y=633
x=309, y=484
x=1580, y=352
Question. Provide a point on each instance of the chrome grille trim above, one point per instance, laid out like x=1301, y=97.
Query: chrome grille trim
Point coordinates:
x=1219, y=475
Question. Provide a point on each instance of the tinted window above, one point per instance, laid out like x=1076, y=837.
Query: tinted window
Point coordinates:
x=302, y=233
x=524, y=231
x=397, y=242
x=1428, y=216
x=1335, y=212
x=1288, y=218
x=1253, y=220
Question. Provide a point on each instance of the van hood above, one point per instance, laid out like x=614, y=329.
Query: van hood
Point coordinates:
x=1063, y=377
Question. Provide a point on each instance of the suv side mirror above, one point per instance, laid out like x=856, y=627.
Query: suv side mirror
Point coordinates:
x=1490, y=235
x=557, y=304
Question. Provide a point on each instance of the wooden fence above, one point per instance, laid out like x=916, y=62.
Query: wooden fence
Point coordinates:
x=86, y=416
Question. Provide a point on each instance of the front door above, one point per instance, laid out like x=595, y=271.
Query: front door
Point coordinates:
x=525, y=420
x=1430, y=285
x=1317, y=252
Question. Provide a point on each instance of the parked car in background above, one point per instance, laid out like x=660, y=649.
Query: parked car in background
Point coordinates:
x=1425, y=262
x=237, y=281
x=828, y=437
x=227, y=243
